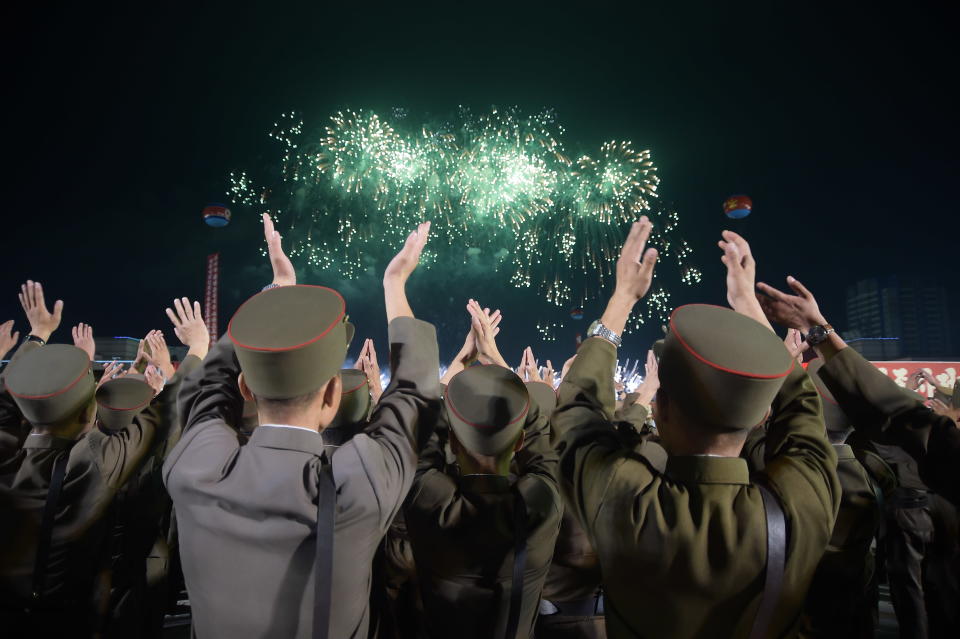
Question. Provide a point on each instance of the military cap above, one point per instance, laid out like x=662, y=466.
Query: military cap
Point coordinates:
x=657, y=349
x=290, y=340
x=544, y=395
x=486, y=407
x=833, y=415
x=354, y=399
x=120, y=400
x=722, y=368
x=52, y=383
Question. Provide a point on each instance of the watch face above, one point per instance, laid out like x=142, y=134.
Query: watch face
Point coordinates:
x=593, y=328
x=816, y=334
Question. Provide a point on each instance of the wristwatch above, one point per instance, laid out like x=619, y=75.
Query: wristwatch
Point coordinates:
x=818, y=334
x=34, y=338
x=597, y=329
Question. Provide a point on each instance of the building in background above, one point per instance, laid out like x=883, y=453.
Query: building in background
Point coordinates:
x=898, y=317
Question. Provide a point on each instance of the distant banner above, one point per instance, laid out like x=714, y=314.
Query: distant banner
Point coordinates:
x=944, y=372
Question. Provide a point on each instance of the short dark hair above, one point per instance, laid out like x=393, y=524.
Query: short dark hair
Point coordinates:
x=287, y=404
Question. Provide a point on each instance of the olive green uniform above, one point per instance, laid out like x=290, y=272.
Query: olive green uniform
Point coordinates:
x=683, y=552
x=462, y=531
x=98, y=465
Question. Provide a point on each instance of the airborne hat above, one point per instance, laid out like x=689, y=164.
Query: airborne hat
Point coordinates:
x=51, y=383
x=120, y=400
x=544, y=395
x=354, y=399
x=722, y=368
x=290, y=340
x=833, y=415
x=486, y=407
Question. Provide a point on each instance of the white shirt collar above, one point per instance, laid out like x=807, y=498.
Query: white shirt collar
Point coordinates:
x=309, y=430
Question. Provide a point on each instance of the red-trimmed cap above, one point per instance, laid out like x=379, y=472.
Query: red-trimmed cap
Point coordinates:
x=722, y=368
x=290, y=340
x=51, y=383
x=120, y=400
x=487, y=407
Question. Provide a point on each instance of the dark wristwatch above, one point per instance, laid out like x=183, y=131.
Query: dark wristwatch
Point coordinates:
x=34, y=338
x=818, y=334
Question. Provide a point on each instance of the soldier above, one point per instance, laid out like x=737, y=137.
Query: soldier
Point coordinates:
x=261, y=546
x=481, y=543
x=355, y=406
x=142, y=515
x=891, y=417
x=703, y=549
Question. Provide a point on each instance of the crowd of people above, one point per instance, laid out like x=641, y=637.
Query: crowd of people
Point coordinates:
x=752, y=486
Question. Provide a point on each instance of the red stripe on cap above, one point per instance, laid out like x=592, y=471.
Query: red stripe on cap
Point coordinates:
x=55, y=393
x=354, y=389
x=99, y=403
x=522, y=415
x=674, y=331
x=340, y=317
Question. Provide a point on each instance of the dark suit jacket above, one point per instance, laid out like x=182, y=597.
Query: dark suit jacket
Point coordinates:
x=247, y=514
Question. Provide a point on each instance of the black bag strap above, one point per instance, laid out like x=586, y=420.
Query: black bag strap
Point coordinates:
x=323, y=562
x=46, y=524
x=519, y=564
x=776, y=562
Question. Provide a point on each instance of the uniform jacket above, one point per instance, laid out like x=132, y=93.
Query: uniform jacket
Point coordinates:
x=683, y=552
x=247, y=514
x=99, y=464
x=462, y=532
x=889, y=415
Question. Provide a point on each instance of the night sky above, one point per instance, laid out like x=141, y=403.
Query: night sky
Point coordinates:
x=122, y=124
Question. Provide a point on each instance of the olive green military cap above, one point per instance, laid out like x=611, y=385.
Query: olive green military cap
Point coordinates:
x=486, y=407
x=120, y=400
x=722, y=368
x=544, y=395
x=833, y=415
x=51, y=383
x=354, y=399
x=290, y=340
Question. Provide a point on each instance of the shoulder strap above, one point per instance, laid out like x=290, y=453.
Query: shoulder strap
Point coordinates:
x=46, y=524
x=323, y=562
x=776, y=562
x=519, y=564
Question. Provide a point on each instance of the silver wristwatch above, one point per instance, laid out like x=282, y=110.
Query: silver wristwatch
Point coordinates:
x=597, y=329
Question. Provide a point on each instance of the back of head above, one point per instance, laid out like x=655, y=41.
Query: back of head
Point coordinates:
x=486, y=407
x=721, y=367
x=52, y=385
x=290, y=340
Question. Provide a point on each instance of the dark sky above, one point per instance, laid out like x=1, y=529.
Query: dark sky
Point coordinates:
x=122, y=123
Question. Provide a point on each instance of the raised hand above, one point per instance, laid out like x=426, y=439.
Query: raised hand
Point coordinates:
x=485, y=333
x=795, y=344
x=83, y=339
x=799, y=311
x=111, y=370
x=635, y=266
x=367, y=362
x=549, y=375
x=283, y=271
x=159, y=356
x=189, y=327
x=42, y=321
x=155, y=379
x=404, y=262
x=530, y=367
x=652, y=370
x=8, y=338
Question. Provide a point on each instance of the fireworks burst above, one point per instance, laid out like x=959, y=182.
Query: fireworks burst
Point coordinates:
x=500, y=187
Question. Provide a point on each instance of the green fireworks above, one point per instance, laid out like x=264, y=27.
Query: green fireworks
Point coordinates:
x=499, y=184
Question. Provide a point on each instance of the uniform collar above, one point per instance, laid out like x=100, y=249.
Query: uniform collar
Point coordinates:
x=42, y=440
x=302, y=439
x=707, y=469
x=485, y=483
x=844, y=451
